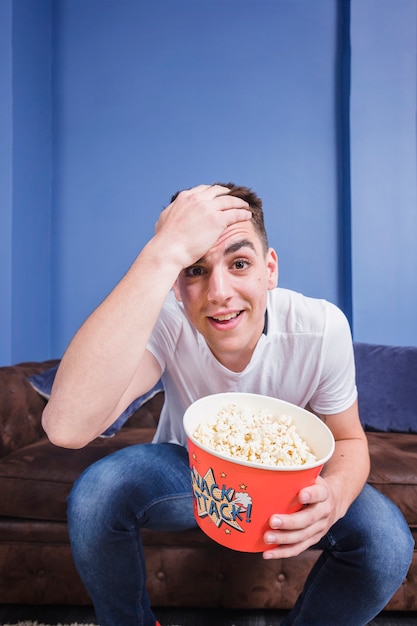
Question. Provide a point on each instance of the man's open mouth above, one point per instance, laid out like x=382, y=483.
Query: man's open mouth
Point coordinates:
x=227, y=317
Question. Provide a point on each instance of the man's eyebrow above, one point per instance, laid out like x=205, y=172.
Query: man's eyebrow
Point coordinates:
x=234, y=247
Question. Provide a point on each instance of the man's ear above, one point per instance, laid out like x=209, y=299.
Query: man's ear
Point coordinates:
x=176, y=291
x=272, y=266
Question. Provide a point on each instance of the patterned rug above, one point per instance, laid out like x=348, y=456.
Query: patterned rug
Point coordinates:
x=39, y=624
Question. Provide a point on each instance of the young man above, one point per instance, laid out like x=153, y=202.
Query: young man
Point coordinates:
x=200, y=307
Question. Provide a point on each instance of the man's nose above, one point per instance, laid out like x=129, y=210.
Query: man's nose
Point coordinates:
x=219, y=286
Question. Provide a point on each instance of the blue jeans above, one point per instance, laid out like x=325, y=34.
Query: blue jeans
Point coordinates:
x=366, y=554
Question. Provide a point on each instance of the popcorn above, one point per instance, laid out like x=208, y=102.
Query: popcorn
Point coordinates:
x=259, y=438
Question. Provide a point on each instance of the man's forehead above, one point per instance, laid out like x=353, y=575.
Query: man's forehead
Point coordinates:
x=232, y=242
x=243, y=232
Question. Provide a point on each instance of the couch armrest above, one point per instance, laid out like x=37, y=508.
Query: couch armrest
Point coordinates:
x=20, y=406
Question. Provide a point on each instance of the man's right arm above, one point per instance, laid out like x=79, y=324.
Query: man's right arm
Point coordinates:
x=106, y=364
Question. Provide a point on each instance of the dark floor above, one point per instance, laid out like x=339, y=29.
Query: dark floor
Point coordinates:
x=10, y=614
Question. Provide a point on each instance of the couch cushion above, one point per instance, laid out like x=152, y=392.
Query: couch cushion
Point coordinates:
x=36, y=480
x=386, y=377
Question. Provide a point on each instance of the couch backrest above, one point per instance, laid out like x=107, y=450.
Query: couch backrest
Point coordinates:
x=386, y=377
x=20, y=406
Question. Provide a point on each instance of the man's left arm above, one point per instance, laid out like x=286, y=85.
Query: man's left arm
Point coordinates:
x=347, y=471
x=325, y=502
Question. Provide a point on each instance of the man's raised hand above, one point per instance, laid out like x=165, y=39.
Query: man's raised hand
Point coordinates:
x=194, y=221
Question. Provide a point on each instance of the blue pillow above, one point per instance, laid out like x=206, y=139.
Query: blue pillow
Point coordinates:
x=386, y=378
x=43, y=382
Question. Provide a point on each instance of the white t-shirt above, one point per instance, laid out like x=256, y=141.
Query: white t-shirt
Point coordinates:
x=305, y=356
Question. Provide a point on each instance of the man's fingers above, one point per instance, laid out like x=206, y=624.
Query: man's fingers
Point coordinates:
x=236, y=215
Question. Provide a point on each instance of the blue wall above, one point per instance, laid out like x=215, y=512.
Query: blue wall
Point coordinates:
x=148, y=105
x=116, y=104
x=6, y=172
x=25, y=179
x=383, y=165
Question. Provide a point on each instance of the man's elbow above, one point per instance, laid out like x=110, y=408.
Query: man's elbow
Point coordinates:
x=59, y=434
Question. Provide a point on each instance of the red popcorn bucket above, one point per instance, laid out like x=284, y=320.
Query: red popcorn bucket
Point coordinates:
x=235, y=498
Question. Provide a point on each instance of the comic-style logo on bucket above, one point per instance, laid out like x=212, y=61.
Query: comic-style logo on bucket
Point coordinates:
x=221, y=503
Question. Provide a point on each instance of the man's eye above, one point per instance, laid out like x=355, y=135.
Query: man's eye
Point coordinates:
x=241, y=264
x=193, y=271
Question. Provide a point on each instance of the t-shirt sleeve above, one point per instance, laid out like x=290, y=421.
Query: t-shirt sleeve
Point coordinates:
x=336, y=390
x=164, y=337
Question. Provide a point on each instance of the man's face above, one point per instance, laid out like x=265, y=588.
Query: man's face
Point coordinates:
x=224, y=294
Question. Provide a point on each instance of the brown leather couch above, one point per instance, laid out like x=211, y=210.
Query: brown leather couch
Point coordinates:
x=185, y=569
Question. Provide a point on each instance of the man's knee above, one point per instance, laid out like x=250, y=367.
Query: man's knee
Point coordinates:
x=382, y=533
x=86, y=503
